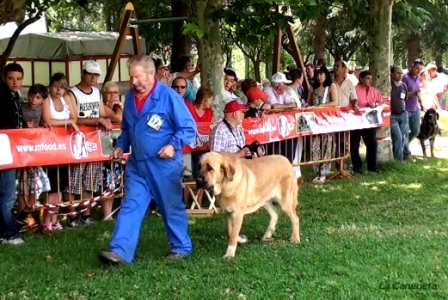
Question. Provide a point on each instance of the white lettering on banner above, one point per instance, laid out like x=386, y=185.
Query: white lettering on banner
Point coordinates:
x=42, y=147
x=266, y=127
x=91, y=147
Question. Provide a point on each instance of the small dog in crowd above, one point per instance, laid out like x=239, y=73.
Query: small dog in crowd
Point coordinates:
x=245, y=185
x=428, y=130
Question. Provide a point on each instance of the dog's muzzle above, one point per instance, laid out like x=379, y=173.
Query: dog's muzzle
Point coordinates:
x=201, y=183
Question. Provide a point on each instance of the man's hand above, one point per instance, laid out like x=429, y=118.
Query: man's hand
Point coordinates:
x=166, y=152
x=106, y=123
x=244, y=152
x=356, y=107
x=117, y=153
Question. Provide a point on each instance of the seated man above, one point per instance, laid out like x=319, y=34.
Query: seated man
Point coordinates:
x=228, y=136
x=277, y=96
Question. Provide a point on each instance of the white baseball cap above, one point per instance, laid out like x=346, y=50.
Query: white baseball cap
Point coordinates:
x=92, y=66
x=280, y=78
x=431, y=66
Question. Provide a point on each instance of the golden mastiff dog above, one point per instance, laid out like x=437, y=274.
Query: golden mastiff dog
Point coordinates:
x=245, y=185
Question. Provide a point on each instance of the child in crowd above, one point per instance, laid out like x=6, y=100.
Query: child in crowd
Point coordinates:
x=33, y=181
x=58, y=111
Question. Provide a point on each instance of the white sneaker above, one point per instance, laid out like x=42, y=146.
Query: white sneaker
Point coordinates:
x=13, y=241
x=319, y=180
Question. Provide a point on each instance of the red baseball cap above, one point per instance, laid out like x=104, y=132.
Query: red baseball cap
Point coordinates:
x=234, y=106
x=255, y=93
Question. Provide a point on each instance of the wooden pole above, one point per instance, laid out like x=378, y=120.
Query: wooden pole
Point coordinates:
x=296, y=53
x=277, y=49
x=129, y=13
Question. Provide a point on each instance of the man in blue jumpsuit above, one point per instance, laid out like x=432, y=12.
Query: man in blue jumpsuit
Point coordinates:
x=156, y=125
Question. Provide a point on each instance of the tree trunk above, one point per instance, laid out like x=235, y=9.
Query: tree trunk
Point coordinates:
x=257, y=70
x=437, y=54
x=268, y=67
x=380, y=47
x=319, y=35
x=413, y=44
x=210, y=53
x=181, y=46
x=108, y=17
x=12, y=41
x=246, y=66
x=228, y=55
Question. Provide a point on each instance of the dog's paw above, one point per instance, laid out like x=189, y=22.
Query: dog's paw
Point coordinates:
x=267, y=239
x=295, y=239
x=242, y=239
x=230, y=253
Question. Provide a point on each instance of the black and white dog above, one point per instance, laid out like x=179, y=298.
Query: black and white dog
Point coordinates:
x=428, y=130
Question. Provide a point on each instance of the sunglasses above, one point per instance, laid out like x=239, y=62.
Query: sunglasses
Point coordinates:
x=179, y=87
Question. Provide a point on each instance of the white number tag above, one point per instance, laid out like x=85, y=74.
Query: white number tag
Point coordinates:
x=155, y=122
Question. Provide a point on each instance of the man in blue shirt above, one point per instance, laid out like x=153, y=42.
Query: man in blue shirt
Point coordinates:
x=156, y=125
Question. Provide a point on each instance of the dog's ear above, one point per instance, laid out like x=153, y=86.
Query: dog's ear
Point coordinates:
x=228, y=170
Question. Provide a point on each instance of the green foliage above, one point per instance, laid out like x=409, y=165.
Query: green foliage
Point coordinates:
x=193, y=30
x=347, y=32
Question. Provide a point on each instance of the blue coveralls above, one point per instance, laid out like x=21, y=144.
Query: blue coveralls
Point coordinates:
x=149, y=176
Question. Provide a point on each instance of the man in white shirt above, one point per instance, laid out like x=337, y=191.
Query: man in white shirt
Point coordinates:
x=277, y=96
x=230, y=81
x=437, y=82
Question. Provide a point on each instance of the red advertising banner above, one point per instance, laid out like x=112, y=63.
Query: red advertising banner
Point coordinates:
x=43, y=146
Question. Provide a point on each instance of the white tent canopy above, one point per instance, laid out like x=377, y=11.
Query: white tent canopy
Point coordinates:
x=63, y=45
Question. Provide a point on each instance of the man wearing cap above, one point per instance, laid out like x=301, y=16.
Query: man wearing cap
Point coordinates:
x=91, y=112
x=437, y=82
x=228, y=136
x=256, y=103
x=276, y=92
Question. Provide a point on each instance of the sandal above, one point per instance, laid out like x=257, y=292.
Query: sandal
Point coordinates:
x=57, y=226
x=47, y=229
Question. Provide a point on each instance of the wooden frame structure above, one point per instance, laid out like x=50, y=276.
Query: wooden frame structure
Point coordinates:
x=125, y=30
x=296, y=53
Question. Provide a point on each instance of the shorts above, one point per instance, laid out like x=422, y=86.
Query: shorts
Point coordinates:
x=36, y=181
x=90, y=174
x=58, y=187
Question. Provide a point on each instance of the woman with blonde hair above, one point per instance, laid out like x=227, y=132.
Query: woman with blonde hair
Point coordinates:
x=111, y=99
x=58, y=110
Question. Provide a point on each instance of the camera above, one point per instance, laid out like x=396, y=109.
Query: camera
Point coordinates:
x=253, y=148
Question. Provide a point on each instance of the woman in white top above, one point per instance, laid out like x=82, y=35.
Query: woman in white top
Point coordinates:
x=58, y=110
x=296, y=76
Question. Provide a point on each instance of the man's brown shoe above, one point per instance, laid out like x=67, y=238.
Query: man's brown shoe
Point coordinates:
x=300, y=181
x=110, y=258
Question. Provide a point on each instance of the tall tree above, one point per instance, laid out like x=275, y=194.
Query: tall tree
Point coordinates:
x=380, y=49
x=180, y=42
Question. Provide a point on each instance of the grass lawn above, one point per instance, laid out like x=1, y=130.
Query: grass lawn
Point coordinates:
x=374, y=237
